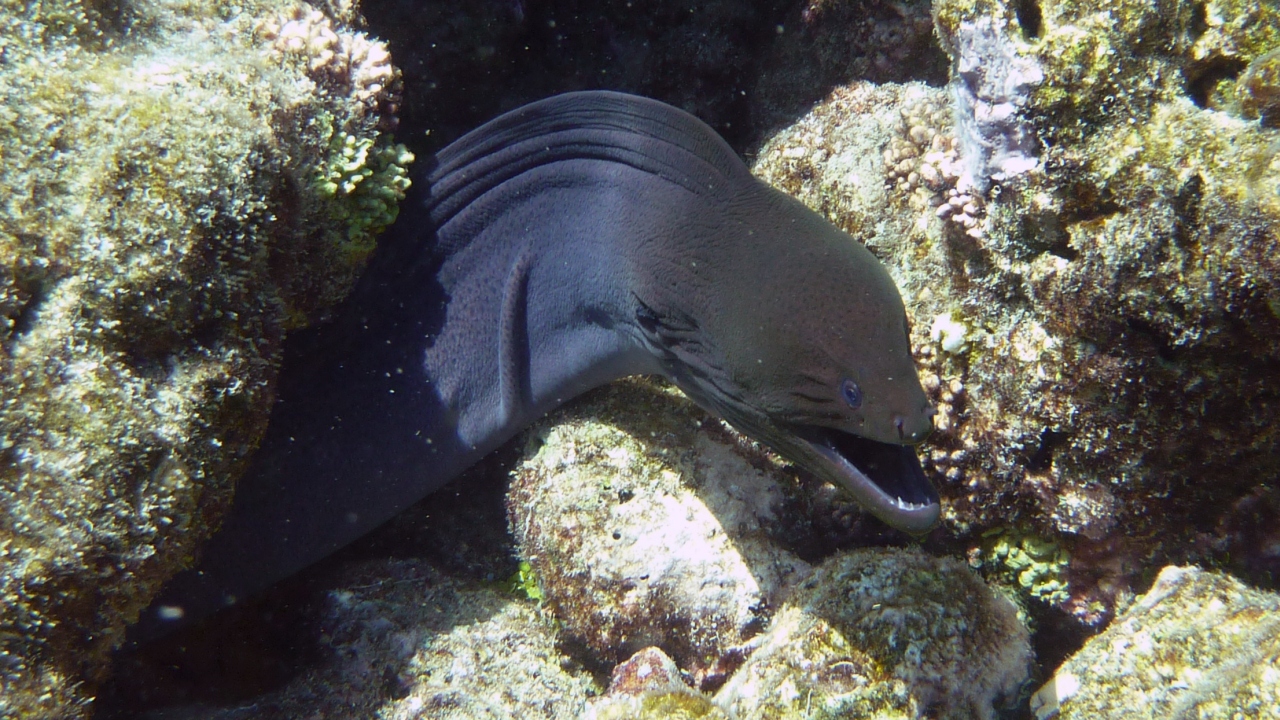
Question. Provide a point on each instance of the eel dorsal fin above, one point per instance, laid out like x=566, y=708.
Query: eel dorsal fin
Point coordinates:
x=644, y=134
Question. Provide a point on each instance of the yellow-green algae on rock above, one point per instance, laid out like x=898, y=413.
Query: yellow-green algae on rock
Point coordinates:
x=1033, y=564
x=164, y=218
x=1198, y=645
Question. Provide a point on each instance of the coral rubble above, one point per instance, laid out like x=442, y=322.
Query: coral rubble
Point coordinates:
x=1197, y=645
x=649, y=686
x=167, y=215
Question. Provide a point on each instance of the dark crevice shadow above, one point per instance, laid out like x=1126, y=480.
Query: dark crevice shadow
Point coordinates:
x=245, y=653
x=465, y=63
x=820, y=47
x=1050, y=440
x=1030, y=18
x=1200, y=80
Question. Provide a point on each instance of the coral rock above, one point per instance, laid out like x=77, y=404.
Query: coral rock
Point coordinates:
x=1121, y=297
x=648, y=687
x=1197, y=645
x=885, y=634
x=162, y=226
x=645, y=530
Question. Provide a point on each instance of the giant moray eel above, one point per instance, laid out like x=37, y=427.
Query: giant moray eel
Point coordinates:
x=570, y=242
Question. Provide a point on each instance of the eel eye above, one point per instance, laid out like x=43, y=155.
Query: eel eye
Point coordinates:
x=851, y=393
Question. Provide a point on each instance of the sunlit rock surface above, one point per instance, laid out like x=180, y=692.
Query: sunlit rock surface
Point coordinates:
x=1198, y=645
x=885, y=634
x=647, y=522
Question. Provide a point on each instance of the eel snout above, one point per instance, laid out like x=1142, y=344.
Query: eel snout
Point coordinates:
x=913, y=429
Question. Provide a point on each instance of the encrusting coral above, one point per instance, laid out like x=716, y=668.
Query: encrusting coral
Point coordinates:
x=166, y=218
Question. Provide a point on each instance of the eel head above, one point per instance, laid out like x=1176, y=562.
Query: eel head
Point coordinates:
x=796, y=334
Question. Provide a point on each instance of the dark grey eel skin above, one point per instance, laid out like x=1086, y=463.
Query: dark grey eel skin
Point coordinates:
x=570, y=242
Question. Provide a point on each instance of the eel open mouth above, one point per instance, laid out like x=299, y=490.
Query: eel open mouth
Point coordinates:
x=886, y=479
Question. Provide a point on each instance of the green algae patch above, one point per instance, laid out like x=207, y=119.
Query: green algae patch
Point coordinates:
x=160, y=230
x=364, y=179
x=525, y=583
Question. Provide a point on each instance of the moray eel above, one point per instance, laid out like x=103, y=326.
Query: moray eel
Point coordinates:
x=570, y=242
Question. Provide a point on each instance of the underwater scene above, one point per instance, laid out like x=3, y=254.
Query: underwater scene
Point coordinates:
x=723, y=359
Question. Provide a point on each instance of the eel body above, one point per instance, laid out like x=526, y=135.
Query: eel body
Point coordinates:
x=565, y=244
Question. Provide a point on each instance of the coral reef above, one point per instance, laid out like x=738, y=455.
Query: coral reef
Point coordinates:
x=885, y=634
x=1083, y=226
x=162, y=227
x=1197, y=645
x=584, y=506
x=1117, y=381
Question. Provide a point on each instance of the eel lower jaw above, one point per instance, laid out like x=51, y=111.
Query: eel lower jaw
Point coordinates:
x=885, y=479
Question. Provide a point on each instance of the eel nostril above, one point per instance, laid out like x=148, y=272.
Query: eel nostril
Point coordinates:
x=899, y=423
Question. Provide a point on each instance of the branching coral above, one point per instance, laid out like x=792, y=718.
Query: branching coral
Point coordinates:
x=364, y=182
